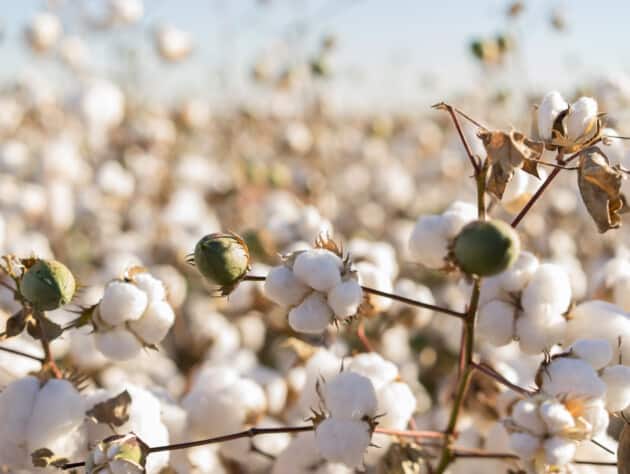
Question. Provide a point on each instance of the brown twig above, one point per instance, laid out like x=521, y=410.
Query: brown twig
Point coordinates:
x=490, y=372
x=451, y=111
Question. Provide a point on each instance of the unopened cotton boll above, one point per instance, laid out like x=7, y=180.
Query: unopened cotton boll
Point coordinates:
x=552, y=105
x=345, y=298
x=549, y=285
x=495, y=322
x=350, y=396
x=597, y=352
x=283, y=287
x=117, y=343
x=559, y=450
x=344, y=441
x=318, y=268
x=617, y=380
x=312, y=315
x=581, y=117
x=428, y=243
x=524, y=445
x=122, y=302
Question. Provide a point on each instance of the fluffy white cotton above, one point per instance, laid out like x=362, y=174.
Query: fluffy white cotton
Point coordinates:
x=516, y=277
x=117, y=344
x=525, y=414
x=551, y=106
x=323, y=363
x=350, y=396
x=16, y=404
x=565, y=374
x=345, y=298
x=597, y=352
x=559, y=450
x=375, y=368
x=549, y=285
x=318, y=268
x=540, y=328
x=581, y=117
x=372, y=277
x=556, y=416
x=155, y=323
x=495, y=322
x=283, y=287
x=456, y=216
x=428, y=243
x=524, y=445
x=153, y=287
x=397, y=404
x=312, y=315
x=343, y=441
x=617, y=380
x=122, y=302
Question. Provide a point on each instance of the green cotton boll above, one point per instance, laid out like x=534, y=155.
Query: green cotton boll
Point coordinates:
x=486, y=248
x=48, y=285
x=222, y=259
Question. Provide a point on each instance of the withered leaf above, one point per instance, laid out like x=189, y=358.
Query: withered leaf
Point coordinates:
x=600, y=186
x=40, y=327
x=15, y=324
x=44, y=457
x=508, y=151
x=114, y=411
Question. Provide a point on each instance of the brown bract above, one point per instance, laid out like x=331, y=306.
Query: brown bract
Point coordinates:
x=600, y=186
x=508, y=151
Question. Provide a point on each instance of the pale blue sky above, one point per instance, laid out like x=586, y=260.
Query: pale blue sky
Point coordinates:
x=385, y=47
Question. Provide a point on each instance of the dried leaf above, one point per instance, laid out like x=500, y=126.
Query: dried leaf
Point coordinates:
x=15, y=324
x=623, y=451
x=114, y=411
x=600, y=185
x=44, y=457
x=506, y=153
x=405, y=458
x=40, y=327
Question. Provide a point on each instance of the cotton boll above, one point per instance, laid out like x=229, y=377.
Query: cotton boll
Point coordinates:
x=549, y=285
x=428, y=243
x=117, y=343
x=565, y=374
x=551, y=106
x=350, y=396
x=617, y=380
x=172, y=43
x=556, y=416
x=274, y=385
x=621, y=292
x=345, y=298
x=524, y=445
x=397, y=403
x=518, y=275
x=343, y=441
x=372, y=277
x=43, y=31
x=318, y=268
x=16, y=405
x=395, y=344
x=122, y=302
x=495, y=322
x=613, y=148
x=525, y=414
x=539, y=329
x=456, y=216
x=597, y=352
x=253, y=331
x=581, y=117
x=374, y=367
x=283, y=287
x=516, y=187
x=153, y=287
x=312, y=316
x=153, y=326
x=323, y=363
x=559, y=450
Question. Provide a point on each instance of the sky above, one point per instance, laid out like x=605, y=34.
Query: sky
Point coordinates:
x=395, y=52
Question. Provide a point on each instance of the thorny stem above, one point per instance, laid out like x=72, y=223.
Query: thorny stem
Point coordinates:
x=391, y=296
x=449, y=108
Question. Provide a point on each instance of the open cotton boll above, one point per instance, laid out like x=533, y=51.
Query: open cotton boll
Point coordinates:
x=540, y=328
x=515, y=278
x=597, y=352
x=372, y=277
x=550, y=107
x=524, y=445
x=526, y=415
x=581, y=117
x=283, y=287
x=312, y=316
x=122, y=302
x=613, y=148
x=153, y=326
x=559, y=450
x=302, y=457
x=344, y=441
x=516, y=187
x=318, y=268
x=556, y=416
x=495, y=322
x=397, y=404
x=456, y=216
x=350, y=396
x=153, y=287
x=566, y=374
x=274, y=385
x=345, y=298
x=374, y=367
x=617, y=380
x=16, y=405
x=549, y=285
x=323, y=363
x=428, y=243
x=117, y=343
